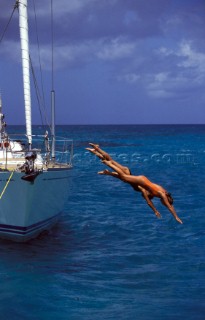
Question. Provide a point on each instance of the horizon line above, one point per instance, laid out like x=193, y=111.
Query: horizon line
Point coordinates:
x=112, y=124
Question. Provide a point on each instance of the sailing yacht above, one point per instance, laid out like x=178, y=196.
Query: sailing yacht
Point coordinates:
x=34, y=169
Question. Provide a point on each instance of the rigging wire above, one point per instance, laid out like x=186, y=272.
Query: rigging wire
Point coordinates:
x=52, y=48
x=40, y=98
x=38, y=95
x=8, y=23
x=39, y=60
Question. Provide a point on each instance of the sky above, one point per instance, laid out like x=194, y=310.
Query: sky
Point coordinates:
x=115, y=61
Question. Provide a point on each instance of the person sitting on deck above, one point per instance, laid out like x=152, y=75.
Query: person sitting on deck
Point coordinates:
x=142, y=184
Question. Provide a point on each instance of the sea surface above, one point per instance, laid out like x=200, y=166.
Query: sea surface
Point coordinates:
x=110, y=257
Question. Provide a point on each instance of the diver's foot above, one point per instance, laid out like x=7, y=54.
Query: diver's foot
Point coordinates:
x=95, y=146
x=104, y=172
x=91, y=150
x=98, y=154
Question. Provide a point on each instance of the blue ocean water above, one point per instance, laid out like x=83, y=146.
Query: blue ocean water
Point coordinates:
x=109, y=257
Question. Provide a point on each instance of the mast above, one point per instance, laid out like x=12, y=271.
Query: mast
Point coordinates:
x=53, y=125
x=23, y=25
x=53, y=135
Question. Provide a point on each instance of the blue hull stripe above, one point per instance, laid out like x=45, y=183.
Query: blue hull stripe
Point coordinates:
x=5, y=228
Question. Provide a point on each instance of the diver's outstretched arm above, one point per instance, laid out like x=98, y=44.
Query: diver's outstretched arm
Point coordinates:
x=170, y=207
x=149, y=202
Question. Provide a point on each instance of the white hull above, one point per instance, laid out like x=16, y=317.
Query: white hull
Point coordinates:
x=29, y=208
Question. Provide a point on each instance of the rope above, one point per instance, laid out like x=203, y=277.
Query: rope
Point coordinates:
x=9, y=179
x=7, y=25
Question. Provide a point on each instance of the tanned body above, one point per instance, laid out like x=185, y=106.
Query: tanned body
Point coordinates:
x=142, y=184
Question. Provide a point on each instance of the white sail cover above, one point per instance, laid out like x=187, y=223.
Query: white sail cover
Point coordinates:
x=23, y=24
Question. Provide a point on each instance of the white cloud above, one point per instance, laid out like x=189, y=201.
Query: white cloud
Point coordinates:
x=117, y=48
x=158, y=85
x=129, y=77
x=11, y=50
x=189, y=57
x=185, y=70
x=164, y=51
x=62, y=7
x=64, y=56
x=84, y=52
x=75, y=53
x=161, y=77
x=192, y=58
x=167, y=85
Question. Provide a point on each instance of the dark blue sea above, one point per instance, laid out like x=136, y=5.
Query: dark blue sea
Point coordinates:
x=109, y=257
